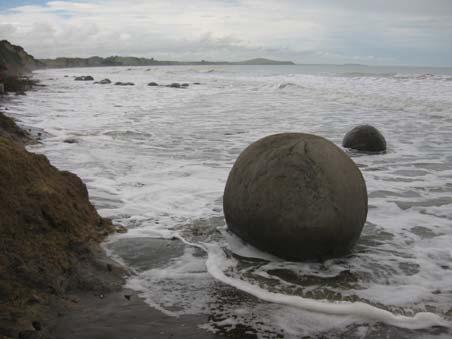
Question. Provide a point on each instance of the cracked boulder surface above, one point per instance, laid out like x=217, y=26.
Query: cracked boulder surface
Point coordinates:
x=297, y=196
x=49, y=235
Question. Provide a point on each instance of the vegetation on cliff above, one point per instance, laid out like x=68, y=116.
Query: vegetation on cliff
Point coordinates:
x=9, y=130
x=134, y=61
x=14, y=60
x=15, y=63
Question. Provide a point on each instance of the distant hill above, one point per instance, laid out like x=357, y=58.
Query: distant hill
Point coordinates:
x=15, y=61
x=96, y=61
x=134, y=61
x=263, y=61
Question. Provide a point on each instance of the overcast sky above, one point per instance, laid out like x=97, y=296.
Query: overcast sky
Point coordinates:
x=395, y=32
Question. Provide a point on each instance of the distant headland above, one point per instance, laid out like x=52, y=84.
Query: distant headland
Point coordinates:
x=134, y=61
x=15, y=63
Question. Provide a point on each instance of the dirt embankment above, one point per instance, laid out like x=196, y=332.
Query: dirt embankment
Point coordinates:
x=9, y=130
x=49, y=239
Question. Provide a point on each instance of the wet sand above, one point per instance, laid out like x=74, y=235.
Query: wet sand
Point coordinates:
x=123, y=314
x=116, y=317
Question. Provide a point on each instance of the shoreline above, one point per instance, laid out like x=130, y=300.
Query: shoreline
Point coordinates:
x=49, y=247
x=112, y=306
x=92, y=302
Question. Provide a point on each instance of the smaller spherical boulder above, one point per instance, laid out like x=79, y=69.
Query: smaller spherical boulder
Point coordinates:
x=365, y=138
x=297, y=196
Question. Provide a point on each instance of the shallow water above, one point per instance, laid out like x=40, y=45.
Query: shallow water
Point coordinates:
x=156, y=160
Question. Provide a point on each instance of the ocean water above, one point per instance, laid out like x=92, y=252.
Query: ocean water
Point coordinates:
x=156, y=159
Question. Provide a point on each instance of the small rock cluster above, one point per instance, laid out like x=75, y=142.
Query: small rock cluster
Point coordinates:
x=178, y=85
x=103, y=82
x=84, y=78
x=120, y=83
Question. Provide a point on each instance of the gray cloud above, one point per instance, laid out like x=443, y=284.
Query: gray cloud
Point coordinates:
x=377, y=32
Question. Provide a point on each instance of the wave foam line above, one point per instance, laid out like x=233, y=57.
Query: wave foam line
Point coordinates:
x=361, y=310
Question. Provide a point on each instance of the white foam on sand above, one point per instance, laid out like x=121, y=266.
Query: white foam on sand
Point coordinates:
x=178, y=288
x=217, y=263
x=243, y=249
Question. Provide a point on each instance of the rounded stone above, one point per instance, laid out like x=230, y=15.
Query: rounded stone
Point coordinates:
x=365, y=138
x=84, y=78
x=297, y=196
x=103, y=82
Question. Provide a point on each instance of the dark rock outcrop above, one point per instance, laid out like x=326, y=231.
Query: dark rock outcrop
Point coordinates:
x=174, y=85
x=103, y=82
x=18, y=83
x=119, y=83
x=297, y=196
x=153, y=84
x=84, y=78
x=365, y=138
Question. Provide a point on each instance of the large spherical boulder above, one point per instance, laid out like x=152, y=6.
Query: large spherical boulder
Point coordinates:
x=297, y=196
x=365, y=138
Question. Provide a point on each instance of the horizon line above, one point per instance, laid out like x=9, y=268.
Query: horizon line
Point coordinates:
x=295, y=63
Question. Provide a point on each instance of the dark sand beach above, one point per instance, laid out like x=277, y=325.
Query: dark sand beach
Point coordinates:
x=116, y=317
